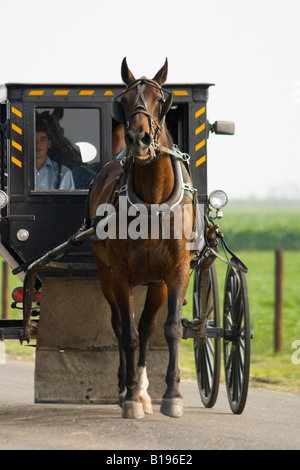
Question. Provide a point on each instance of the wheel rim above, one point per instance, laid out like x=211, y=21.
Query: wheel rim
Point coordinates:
x=236, y=321
x=207, y=354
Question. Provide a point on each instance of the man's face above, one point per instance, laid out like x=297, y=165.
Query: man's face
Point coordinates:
x=42, y=145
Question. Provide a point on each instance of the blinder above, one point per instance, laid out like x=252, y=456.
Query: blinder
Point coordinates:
x=117, y=111
x=166, y=104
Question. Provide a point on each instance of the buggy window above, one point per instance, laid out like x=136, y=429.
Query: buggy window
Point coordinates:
x=67, y=147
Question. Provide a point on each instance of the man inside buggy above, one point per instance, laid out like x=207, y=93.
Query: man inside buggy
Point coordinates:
x=50, y=173
x=59, y=161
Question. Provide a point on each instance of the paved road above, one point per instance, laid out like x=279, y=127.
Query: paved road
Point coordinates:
x=271, y=420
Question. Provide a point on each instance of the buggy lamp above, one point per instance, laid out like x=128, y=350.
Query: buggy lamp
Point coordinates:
x=218, y=199
x=22, y=235
x=3, y=199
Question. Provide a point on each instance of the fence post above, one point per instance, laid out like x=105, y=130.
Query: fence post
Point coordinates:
x=5, y=290
x=279, y=299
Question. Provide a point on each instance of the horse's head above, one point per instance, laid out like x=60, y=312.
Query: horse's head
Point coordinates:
x=142, y=108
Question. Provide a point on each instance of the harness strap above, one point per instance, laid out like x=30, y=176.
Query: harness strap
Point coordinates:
x=180, y=187
x=176, y=152
x=235, y=262
x=142, y=106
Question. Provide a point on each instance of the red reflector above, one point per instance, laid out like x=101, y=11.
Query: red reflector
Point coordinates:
x=37, y=296
x=17, y=294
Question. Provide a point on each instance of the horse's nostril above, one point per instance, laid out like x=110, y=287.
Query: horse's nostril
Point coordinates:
x=140, y=140
x=129, y=139
x=145, y=139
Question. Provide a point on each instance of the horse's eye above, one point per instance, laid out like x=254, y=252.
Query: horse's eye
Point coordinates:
x=123, y=100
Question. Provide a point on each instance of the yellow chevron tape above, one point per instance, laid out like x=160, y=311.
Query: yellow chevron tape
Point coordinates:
x=180, y=93
x=108, y=93
x=87, y=92
x=200, y=145
x=36, y=92
x=16, y=145
x=200, y=161
x=199, y=129
x=16, y=129
x=199, y=112
x=16, y=112
x=16, y=162
x=61, y=92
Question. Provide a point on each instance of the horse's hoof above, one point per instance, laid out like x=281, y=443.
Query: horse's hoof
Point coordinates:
x=132, y=410
x=122, y=397
x=172, y=407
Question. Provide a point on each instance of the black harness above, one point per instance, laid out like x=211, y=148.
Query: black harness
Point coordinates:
x=124, y=183
x=140, y=106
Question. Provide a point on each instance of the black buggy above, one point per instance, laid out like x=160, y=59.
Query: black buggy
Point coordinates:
x=41, y=242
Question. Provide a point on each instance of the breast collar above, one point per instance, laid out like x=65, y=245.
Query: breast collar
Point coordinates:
x=181, y=188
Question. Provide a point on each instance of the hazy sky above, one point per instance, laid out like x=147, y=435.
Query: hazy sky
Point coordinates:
x=250, y=49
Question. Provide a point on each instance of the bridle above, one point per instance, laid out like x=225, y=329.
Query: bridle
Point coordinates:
x=140, y=106
x=181, y=186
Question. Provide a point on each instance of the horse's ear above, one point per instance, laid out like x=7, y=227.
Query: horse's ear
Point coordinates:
x=162, y=74
x=126, y=74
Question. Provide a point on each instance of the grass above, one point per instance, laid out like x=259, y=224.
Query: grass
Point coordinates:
x=264, y=226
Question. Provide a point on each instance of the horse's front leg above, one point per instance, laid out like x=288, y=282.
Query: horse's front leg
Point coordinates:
x=132, y=406
x=172, y=402
x=117, y=327
x=156, y=296
x=106, y=284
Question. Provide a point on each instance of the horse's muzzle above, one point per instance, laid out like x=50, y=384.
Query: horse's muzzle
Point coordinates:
x=139, y=145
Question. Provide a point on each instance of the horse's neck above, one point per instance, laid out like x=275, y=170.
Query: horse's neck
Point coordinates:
x=154, y=182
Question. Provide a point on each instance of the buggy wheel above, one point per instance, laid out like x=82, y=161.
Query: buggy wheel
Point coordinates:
x=208, y=351
x=236, y=323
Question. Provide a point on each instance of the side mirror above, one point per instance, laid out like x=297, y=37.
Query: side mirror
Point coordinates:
x=223, y=127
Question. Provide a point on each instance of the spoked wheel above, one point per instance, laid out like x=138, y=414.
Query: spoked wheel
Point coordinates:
x=207, y=352
x=236, y=323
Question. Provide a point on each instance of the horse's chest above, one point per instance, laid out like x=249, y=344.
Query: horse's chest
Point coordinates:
x=145, y=260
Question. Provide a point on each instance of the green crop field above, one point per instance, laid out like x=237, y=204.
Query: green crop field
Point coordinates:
x=253, y=231
x=262, y=226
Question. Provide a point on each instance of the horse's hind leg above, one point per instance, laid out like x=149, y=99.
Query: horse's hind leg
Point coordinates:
x=156, y=296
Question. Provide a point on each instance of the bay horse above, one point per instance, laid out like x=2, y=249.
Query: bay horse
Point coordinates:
x=152, y=172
